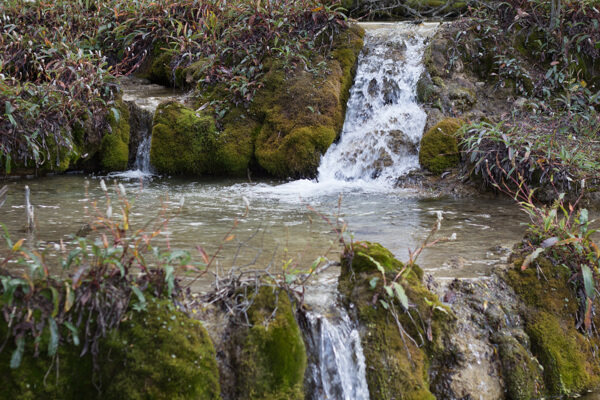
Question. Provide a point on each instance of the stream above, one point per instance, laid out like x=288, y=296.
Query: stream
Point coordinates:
x=280, y=221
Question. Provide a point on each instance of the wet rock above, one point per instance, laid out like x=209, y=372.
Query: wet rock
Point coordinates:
x=481, y=307
x=390, y=90
x=396, y=358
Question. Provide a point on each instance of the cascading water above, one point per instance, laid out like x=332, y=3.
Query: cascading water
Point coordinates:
x=336, y=362
x=141, y=119
x=384, y=123
x=142, y=99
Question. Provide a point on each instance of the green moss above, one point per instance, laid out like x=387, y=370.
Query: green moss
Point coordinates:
x=67, y=377
x=114, y=149
x=357, y=258
x=191, y=75
x=426, y=91
x=439, y=146
x=557, y=350
x=272, y=359
x=160, y=354
x=396, y=367
x=183, y=141
x=522, y=373
x=302, y=113
x=569, y=358
x=157, y=69
x=187, y=142
x=463, y=99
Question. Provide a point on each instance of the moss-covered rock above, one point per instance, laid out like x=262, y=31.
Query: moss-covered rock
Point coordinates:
x=569, y=358
x=157, y=67
x=522, y=373
x=271, y=357
x=183, y=141
x=439, y=146
x=67, y=377
x=114, y=149
x=187, y=142
x=156, y=354
x=159, y=354
x=302, y=112
x=397, y=367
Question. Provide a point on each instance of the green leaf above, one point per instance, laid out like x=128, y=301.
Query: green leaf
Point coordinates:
x=373, y=282
x=374, y=261
x=116, y=114
x=55, y=301
x=389, y=291
x=384, y=304
x=74, y=253
x=142, y=300
x=530, y=258
x=588, y=281
x=53, y=343
x=74, y=332
x=170, y=278
x=401, y=295
x=583, y=217
x=17, y=355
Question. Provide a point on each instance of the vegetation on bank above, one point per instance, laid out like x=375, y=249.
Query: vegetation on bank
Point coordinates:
x=112, y=327
x=59, y=60
x=546, y=55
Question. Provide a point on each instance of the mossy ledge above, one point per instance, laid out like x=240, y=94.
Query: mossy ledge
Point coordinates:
x=269, y=356
x=439, y=146
x=396, y=367
x=155, y=354
x=569, y=358
x=290, y=124
x=114, y=149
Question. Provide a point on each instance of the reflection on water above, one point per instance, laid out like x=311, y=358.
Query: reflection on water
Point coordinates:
x=281, y=223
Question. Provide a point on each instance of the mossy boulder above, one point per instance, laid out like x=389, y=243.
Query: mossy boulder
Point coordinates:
x=302, y=112
x=397, y=367
x=155, y=354
x=183, y=141
x=159, y=354
x=271, y=357
x=439, y=146
x=569, y=358
x=114, y=148
x=521, y=372
x=187, y=142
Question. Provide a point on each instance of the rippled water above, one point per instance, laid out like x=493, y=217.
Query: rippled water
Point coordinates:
x=280, y=224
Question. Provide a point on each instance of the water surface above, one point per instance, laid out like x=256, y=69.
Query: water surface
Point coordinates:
x=281, y=224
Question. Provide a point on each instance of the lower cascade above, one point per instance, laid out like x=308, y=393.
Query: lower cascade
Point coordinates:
x=384, y=123
x=336, y=367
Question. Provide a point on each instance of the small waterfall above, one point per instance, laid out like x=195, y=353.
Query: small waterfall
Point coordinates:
x=384, y=123
x=142, y=98
x=336, y=362
x=141, y=137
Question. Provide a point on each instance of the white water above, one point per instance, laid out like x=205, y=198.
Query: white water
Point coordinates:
x=384, y=124
x=338, y=369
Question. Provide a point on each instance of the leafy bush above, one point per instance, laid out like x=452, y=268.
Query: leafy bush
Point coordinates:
x=58, y=59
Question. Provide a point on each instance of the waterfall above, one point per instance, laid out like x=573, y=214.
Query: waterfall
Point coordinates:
x=143, y=99
x=384, y=123
x=336, y=362
x=141, y=137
